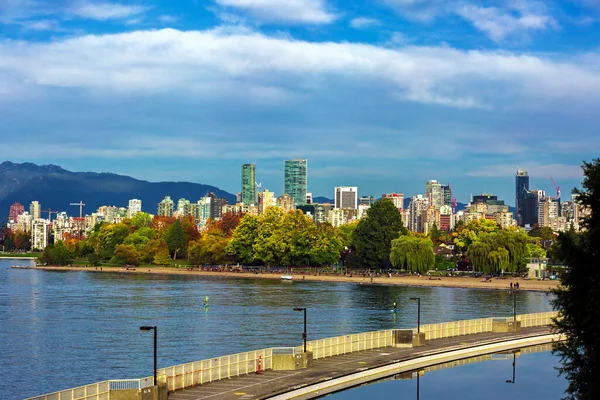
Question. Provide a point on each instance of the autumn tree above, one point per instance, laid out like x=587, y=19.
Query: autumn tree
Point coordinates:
x=126, y=254
x=162, y=256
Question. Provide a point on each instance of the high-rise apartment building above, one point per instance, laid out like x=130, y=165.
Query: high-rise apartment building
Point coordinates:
x=249, y=184
x=286, y=202
x=396, y=198
x=521, y=190
x=165, y=207
x=366, y=201
x=417, y=205
x=266, y=199
x=135, y=206
x=346, y=197
x=16, y=209
x=295, y=180
x=39, y=233
x=35, y=210
x=548, y=212
x=434, y=193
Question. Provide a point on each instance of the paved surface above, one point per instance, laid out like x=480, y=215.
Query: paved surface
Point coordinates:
x=271, y=383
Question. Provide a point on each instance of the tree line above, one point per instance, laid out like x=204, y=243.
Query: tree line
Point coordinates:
x=377, y=241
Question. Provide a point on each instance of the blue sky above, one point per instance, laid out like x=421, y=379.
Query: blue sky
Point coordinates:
x=379, y=94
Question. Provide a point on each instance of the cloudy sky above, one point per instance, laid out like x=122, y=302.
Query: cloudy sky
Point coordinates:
x=379, y=94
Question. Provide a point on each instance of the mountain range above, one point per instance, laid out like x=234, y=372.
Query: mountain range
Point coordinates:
x=55, y=187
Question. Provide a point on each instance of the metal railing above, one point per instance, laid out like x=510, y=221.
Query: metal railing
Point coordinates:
x=94, y=391
x=199, y=372
x=350, y=343
x=456, y=328
x=537, y=319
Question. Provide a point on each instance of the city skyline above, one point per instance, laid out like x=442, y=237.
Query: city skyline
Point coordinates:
x=381, y=95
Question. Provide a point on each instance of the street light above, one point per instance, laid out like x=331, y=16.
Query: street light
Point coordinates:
x=149, y=328
x=303, y=333
x=418, y=300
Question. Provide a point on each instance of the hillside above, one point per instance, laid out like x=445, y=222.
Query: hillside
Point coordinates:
x=55, y=187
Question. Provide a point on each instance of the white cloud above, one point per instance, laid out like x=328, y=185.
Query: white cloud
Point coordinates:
x=204, y=62
x=286, y=11
x=498, y=23
x=167, y=19
x=105, y=11
x=558, y=171
x=41, y=25
x=363, y=22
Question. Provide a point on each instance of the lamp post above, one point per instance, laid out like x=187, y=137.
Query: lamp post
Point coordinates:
x=154, y=328
x=303, y=333
x=418, y=300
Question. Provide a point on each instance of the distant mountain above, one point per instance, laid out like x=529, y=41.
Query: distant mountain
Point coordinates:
x=55, y=187
x=322, y=200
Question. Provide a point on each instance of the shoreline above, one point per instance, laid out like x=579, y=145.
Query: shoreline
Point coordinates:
x=527, y=285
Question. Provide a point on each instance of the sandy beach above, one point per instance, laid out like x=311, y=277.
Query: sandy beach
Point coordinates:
x=446, y=281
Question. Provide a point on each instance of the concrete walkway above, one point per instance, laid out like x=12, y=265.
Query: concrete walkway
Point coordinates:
x=271, y=383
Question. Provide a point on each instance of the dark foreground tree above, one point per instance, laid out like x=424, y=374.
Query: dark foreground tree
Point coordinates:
x=373, y=235
x=578, y=298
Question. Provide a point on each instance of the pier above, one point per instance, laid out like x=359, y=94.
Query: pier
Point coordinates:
x=329, y=364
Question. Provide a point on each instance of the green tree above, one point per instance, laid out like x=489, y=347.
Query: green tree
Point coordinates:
x=412, y=253
x=373, y=235
x=435, y=234
x=141, y=220
x=60, y=255
x=175, y=239
x=578, y=298
x=150, y=249
x=242, y=242
x=267, y=246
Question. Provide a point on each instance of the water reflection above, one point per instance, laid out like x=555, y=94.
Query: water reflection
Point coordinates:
x=481, y=377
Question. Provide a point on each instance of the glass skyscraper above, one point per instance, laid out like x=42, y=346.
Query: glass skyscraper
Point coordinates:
x=525, y=201
x=249, y=184
x=294, y=180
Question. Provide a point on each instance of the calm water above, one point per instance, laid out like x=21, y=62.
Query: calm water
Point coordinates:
x=535, y=379
x=64, y=329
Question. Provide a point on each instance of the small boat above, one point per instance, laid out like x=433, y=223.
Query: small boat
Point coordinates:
x=287, y=277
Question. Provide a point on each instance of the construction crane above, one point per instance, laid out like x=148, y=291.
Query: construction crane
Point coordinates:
x=557, y=189
x=258, y=185
x=50, y=212
x=80, y=219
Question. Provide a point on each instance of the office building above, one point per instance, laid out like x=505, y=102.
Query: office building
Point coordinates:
x=366, y=201
x=346, y=197
x=521, y=190
x=433, y=192
x=447, y=195
x=249, y=184
x=295, y=179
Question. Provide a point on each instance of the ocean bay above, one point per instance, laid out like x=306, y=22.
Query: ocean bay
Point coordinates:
x=64, y=329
